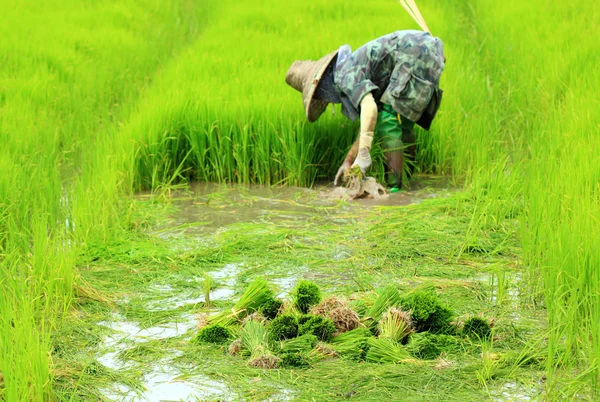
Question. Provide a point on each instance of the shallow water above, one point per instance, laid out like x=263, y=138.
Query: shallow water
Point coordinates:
x=207, y=207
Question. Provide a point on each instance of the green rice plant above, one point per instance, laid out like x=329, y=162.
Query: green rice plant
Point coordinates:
x=384, y=350
x=283, y=327
x=215, y=333
x=271, y=308
x=477, y=328
x=387, y=297
x=322, y=328
x=294, y=360
x=353, y=345
x=395, y=325
x=257, y=293
x=255, y=339
x=207, y=286
x=305, y=295
x=427, y=346
x=302, y=344
x=427, y=313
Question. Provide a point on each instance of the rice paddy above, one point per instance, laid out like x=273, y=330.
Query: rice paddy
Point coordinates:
x=110, y=252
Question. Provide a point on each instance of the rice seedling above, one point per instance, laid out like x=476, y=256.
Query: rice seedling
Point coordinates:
x=387, y=297
x=283, y=327
x=322, y=328
x=256, y=295
x=427, y=346
x=395, y=325
x=255, y=339
x=207, y=286
x=294, y=360
x=353, y=345
x=214, y=333
x=383, y=350
x=477, y=328
x=302, y=344
x=306, y=294
x=271, y=308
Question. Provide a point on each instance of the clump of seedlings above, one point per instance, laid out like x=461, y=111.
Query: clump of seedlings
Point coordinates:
x=271, y=308
x=284, y=327
x=255, y=339
x=337, y=310
x=478, y=328
x=301, y=344
x=305, y=295
x=318, y=326
x=427, y=313
x=385, y=350
x=215, y=333
x=295, y=359
x=387, y=297
x=395, y=325
x=427, y=346
x=256, y=295
x=274, y=333
x=353, y=345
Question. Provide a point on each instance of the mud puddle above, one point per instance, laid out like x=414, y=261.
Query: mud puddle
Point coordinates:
x=206, y=208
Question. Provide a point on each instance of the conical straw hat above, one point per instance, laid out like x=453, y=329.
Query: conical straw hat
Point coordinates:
x=304, y=76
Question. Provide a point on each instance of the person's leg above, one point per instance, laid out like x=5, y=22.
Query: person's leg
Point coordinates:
x=389, y=130
x=409, y=141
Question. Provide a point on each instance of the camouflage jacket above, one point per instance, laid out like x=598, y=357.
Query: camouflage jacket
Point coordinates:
x=400, y=69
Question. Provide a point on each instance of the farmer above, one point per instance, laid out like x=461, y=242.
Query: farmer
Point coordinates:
x=390, y=82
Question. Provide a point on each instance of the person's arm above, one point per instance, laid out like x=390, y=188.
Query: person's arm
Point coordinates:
x=368, y=119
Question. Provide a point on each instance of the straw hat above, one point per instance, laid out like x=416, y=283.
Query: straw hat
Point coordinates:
x=304, y=76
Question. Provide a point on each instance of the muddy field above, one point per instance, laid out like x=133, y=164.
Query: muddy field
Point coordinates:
x=137, y=343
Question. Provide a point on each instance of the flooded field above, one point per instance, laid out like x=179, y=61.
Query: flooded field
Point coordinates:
x=228, y=235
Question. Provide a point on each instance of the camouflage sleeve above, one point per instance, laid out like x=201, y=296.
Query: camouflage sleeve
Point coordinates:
x=353, y=78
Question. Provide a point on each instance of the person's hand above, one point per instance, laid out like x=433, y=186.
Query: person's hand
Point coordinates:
x=363, y=160
x=345, y=166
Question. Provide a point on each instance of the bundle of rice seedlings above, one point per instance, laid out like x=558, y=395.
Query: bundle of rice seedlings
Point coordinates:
x=235, y=347
x=359, y=306
x=385, y=350
x=266, y=361
x=353, y=344
x=344, y=319
x=327, y=305
x=255, y=339
x=215, y=333
x=295, y=360
x=301, y=344
x=395, y=325
x=284, y=327
x=427, y=312
x=323, y=351
x=306, y=294
x=440, y=322
x=318, y=326
x=388, y=297
x=429, y=346
x=256, y=316
x=478, y=328
x=271, y=308
x=256, y=295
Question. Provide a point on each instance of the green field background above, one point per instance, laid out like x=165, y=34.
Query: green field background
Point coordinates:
x=99, y=99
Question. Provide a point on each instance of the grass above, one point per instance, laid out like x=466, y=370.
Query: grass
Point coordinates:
x=99, y=100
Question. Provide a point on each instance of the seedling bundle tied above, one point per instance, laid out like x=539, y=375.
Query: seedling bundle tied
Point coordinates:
x=383, y=326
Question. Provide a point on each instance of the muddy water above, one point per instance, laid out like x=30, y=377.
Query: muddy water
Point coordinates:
x=204, y=210
x=207, y=207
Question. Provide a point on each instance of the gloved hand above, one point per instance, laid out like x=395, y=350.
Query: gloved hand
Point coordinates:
x=345, y=166
x=363, y=160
